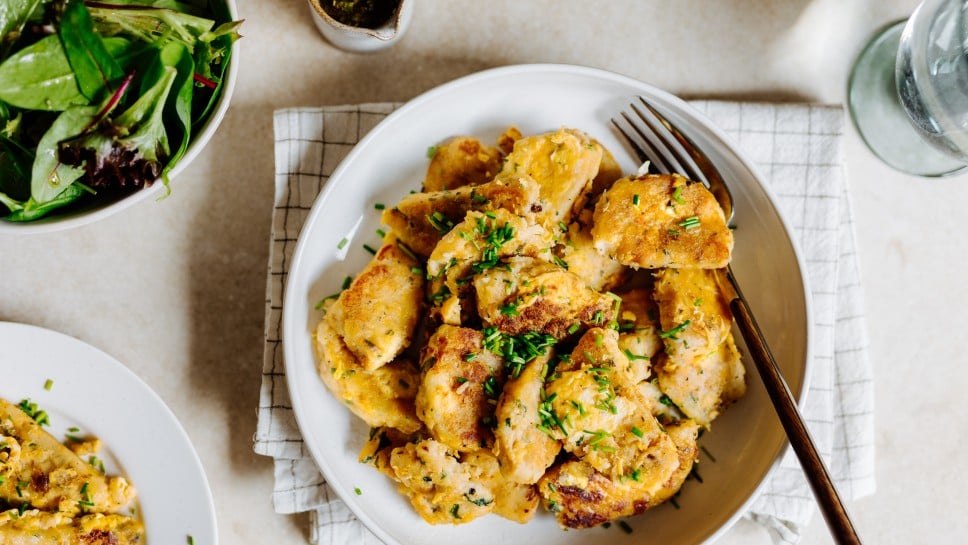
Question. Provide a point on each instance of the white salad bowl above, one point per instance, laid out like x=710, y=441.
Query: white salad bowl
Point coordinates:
x=70, y=218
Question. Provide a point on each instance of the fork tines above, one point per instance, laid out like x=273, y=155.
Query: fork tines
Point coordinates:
x=655, y=140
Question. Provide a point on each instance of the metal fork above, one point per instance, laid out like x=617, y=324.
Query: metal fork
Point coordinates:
x=669, y=150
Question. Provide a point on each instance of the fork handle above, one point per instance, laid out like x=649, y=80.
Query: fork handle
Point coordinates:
x=823, y=487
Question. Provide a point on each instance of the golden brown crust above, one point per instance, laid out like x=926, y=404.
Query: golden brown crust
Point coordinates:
x=529, y=294
x=459, y=384
x=581, y=497
x=422, y=219
x=382, y=397
x=563, y=163
x=676, y=223
x=461, y=161
x=37, y=470
x=377, y=315
x=41, y=528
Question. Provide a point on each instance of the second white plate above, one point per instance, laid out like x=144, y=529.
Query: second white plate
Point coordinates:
x=141, y=439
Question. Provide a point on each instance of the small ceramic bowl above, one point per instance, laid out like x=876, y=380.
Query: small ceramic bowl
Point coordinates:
x=360, y=39
x=73, y=217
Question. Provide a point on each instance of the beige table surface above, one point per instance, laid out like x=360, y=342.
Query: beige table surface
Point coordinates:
x=176, y=289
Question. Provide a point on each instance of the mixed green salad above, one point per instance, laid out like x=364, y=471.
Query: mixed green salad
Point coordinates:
x=99, y=99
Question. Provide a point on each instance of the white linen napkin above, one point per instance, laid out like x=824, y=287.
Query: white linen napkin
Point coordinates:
x=798, y=150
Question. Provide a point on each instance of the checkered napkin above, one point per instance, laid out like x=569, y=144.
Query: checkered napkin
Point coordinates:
x=797, y=148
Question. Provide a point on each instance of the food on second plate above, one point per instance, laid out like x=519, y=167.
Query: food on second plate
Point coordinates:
x=51, y=495
x=561, y=334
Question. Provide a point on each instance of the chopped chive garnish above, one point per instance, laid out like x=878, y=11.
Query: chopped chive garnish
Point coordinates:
x=369, y=248
x=697, y=302
x=48, y=384
x=637, y=432
x=347, y=281
x=73, y=429
x=461, y=380
x=635, y=199
x=191, y=540
x=416, y=270
x=379, y=206
x=381, y=233
x=431, y=151
x=625, y=527
x=342, y=244
x=677, y=195
x=691, y=222
x=573, y=328
x=672, y=333
x=358, y=491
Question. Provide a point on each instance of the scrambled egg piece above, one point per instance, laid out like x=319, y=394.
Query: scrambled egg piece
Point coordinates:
x=523, y=448
x=446, y=488
x=459, y=162
x=35, y=527
x=528, y=294
x=381, y=397
x=377, y=315
x=37, y=470
x=662, y=221
x=563, y=163
x=581, y=497
x=460, y=381
x=421, y=219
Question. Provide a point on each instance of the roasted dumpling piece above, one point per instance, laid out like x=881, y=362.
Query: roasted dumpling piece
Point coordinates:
x=526, y=294
x=563, y=163
x=638, y=338
x=703, y=386
x=523, y=448
x=475, y=244
x=599, y=271
x=461, y=161
x=447, y=488
x=581, y=497
x=421, y=219
x=659, y=221
x=693, y=311
x=34, y=527
x=459, y=385
x=377, y=315
x=37, y=470
x=597, y=411
x=381, y=397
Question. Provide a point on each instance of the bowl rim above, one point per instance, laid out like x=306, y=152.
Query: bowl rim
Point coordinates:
x=157, y=189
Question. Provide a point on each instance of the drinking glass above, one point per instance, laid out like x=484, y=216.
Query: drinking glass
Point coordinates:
x=908, y=91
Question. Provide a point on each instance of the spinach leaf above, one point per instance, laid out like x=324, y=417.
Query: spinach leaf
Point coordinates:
x=32, y=210
x=13, y=15
x=15, y=161
x=178, y=108
x=148, y=24
x=39, y=77
x=49, y=177
x=93, y=65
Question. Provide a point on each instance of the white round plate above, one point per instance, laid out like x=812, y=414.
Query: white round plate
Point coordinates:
x=140, y=437
x=392, y=159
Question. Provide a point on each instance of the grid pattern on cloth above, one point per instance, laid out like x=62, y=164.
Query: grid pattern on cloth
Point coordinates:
x=798, y=150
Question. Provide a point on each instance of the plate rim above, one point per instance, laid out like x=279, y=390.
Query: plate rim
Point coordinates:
x=324, y=196
x=100, y=358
